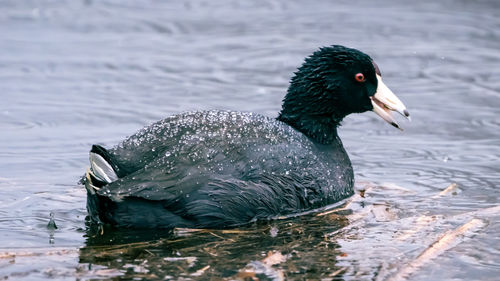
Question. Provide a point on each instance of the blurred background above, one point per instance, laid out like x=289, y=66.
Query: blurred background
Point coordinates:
x=75, y=73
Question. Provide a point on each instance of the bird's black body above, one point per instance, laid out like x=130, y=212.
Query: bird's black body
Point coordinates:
x=220, y=169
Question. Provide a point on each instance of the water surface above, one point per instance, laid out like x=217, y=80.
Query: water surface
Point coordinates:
x=74, y=73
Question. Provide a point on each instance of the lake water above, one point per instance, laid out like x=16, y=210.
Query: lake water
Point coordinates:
x=75, y=73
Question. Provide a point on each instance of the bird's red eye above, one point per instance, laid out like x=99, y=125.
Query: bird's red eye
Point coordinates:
x=360, y=77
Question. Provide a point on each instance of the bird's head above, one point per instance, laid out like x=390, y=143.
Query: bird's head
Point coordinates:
x=332, y=83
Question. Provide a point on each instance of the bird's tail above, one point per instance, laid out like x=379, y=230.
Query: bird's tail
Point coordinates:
x=103, y=170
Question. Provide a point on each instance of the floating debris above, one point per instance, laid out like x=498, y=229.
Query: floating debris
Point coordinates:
x=273, y=231
x=447, y=241
x=200, y=271
x=451, y=188
x=383, y=213
x=265, y=267
x=190, y=260
x=38, y=252
x=420, y=223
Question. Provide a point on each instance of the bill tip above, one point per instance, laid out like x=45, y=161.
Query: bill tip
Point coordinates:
x=396, y=125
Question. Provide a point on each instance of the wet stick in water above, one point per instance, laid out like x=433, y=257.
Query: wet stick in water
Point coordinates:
x=345, y=207
x=423, y=221
x=200, y=272
x=420, y=223
x=444, y=243
x=8, y=254
x=451, y=188
x=359, y=195
x=267, y=267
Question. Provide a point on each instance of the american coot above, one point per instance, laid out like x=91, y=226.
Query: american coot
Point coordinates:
x=221, y=169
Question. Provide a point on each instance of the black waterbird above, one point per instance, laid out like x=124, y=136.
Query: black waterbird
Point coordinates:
x=221, y=169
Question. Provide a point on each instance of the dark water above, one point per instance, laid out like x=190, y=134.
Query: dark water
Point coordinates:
x=74, y=73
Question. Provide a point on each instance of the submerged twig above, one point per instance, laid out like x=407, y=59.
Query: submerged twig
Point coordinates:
x=337, y=272
x=356, y=197
x=200, y=271
x=420, y=223
x=452, y=187
x=444, y=243
x=37, y=252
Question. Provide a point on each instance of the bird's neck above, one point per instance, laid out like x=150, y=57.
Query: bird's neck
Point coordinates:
x=321, y=129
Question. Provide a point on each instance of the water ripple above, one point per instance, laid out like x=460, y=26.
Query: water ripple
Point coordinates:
x=82, y=72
